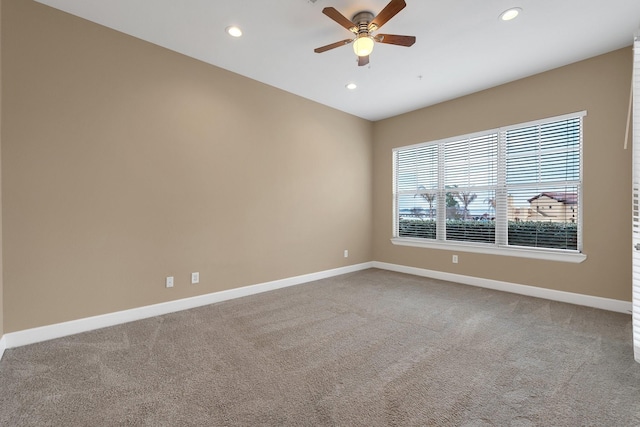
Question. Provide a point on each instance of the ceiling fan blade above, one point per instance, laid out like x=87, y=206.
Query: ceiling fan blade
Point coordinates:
x=395, y=39
x=387, y=13
x=340, y=19
x=332, y=46
x=363, y=60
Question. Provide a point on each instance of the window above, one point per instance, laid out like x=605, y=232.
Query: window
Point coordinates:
x=516, y=190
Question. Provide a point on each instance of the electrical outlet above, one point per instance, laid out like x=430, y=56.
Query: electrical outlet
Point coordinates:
x=169, y=282
x=346, y=253
x=195, y=278
x=454, y=259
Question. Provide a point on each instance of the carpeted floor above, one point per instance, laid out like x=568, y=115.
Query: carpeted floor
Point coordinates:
x=371, y=348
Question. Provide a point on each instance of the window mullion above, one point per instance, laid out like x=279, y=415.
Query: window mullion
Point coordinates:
x=502, y=206
x=441, y=212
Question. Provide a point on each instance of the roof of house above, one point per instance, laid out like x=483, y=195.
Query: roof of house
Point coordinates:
x=564, y=197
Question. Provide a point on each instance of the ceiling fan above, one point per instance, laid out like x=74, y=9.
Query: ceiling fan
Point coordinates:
x=363, y=24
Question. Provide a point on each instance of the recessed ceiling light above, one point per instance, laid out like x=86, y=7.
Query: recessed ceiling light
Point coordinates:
x=234, y=31
x=351, y=86
x=510, y=14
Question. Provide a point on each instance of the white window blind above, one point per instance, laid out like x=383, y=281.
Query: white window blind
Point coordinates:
x=636, y=200
x=417, y=190
x=470, y=178
x=543, y=184
x=518, y=186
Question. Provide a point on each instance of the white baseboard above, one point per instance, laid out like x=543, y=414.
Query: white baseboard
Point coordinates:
x=44, y=333
x=3, y=346
x=532, y=291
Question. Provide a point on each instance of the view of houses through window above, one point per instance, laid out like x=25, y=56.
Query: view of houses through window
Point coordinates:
x=514, y=186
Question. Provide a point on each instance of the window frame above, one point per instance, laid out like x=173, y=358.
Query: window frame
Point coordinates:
x=499, y=247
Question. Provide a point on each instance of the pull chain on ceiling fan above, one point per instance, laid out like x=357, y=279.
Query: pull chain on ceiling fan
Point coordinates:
x=363, y=25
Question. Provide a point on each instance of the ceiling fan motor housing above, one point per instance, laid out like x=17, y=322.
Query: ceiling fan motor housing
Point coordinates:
x=362, y=19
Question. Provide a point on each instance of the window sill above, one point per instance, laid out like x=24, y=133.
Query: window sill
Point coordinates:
x=547, y=254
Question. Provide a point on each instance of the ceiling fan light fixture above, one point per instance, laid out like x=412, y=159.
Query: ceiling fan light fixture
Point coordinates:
x=510, y=14
x=234, y=31
x=363, y=45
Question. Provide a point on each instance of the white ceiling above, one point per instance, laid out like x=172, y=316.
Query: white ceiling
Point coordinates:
x=462, y=47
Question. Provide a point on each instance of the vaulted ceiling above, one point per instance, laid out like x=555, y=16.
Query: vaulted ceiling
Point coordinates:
x=462, y=46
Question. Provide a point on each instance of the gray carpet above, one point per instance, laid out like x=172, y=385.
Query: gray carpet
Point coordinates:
x=372, y=348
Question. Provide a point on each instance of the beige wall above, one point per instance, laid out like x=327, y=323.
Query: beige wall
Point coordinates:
x=599, y=85
x=124, y=163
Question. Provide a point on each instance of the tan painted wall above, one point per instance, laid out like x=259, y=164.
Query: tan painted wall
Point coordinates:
x=124, y=163
x=599, y=85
